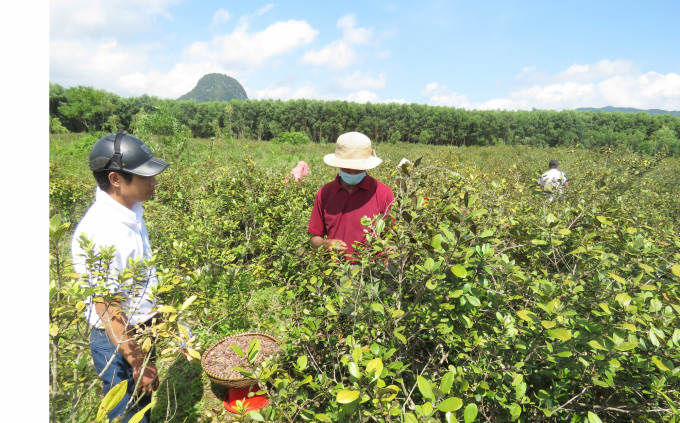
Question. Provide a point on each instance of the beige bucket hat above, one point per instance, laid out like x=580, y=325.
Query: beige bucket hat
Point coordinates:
x=353, y=151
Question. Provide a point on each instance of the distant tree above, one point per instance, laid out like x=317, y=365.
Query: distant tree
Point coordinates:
x=113, y=124
x=88, y=106
x=56, y=98
x=56, y=127
x=663, y=138
x=424, y=137
x=396, y=136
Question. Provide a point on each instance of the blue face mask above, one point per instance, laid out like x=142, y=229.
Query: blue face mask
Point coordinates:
x=352, y=179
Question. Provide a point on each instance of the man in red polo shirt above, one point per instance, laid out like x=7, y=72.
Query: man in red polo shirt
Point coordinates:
x=340, y=205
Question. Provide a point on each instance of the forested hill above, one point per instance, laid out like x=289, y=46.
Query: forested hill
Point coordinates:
x=216, y=87
x=81, y=109
x=611, y=109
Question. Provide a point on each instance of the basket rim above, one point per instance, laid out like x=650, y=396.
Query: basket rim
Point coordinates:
x=234, y=335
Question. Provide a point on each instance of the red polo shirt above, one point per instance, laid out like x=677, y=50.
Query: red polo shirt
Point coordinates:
x=337, y=213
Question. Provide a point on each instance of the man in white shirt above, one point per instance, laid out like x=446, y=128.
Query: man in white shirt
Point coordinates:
x=125, y=171
x=554, y=180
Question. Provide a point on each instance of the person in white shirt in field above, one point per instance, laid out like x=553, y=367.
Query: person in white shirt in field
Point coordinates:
x=125, y=171
x=554, y=180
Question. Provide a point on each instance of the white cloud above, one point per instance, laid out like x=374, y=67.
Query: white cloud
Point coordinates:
x=589, y=72
x=649, y=91
x=220, y=17
x=336, y=55
x=615, y=83
x=384, y=54
x=359, y=80
x=111, y=18
x=362, y=96
x=341, y=53
x=93, y=43
x=308, y=91
x=351, y=33
x=264, y=9
x=365, y=96
x=244, y=49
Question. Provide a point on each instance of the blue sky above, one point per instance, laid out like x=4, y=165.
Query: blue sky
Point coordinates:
x=477, y=55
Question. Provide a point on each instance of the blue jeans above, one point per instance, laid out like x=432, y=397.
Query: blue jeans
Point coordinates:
x=102, y=349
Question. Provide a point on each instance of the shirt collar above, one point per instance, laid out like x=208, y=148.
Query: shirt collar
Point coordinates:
x=133, y=216
x=365, y=183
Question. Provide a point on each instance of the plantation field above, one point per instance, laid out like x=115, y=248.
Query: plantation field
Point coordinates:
x=495, y=304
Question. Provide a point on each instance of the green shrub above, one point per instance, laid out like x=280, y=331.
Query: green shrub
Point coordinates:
x=295, y=138
x=495, y=304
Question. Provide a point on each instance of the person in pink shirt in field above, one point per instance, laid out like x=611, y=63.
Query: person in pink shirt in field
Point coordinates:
x=299, y=172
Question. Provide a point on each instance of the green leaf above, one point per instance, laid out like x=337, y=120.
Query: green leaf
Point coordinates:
x=354, y=370
x=626, y=346
x=446, y=382
x=253, y=349
x=515, y=410
x=548, y=324
x=659, y=363
x=676, y=270
x=592, y=418
x=322, y=417
x=256, y=416
x=596, y=344
x=112, y=399
x=55, y=222
x=378, y=308
x=450, y=404
x=140, y=414
x=459, y=271
x=437, y=241
x=346, y=396
x=375, y=365
x=188, y=302
x=450, y=418
x=470, y=413
x=357, y=353
x=517, y=379
x=287, y=312
x=562, y=334
x=302, y=362
x=410, y=418
x=527, y=315
x=474, y=301
x=617, y=278
x=400, y=337
x=238, y=350
x=425, y=388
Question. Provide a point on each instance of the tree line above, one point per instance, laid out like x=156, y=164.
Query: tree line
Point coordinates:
x=86, y=109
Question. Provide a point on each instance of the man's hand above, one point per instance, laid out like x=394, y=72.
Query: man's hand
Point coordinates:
x=329, y=244
x=146, y=378
x=335, y=245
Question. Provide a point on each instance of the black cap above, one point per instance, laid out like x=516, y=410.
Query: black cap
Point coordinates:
x=553, y=164
x=126, y=153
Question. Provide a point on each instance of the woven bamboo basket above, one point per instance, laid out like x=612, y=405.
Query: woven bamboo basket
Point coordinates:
x=241, y=382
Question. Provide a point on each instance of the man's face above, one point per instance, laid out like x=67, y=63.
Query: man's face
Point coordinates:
x=141, y=188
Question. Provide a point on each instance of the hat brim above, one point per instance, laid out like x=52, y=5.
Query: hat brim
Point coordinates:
x=152, y=167
x=361, y=164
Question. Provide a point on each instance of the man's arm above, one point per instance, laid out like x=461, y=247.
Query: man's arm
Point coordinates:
x=329, y=244
x=117, y=328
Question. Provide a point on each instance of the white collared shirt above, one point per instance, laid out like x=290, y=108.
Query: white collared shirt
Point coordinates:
x=109, y=223
x=553, y=177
